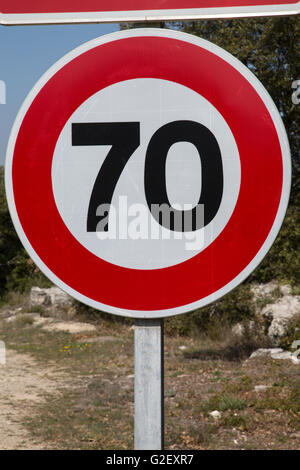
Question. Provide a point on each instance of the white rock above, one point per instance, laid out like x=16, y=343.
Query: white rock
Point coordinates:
x=47, y=297
x=263, y=290
x=261, y=388
x=39, y=296
x=260, y=291
x=59, y=297
x=265, y=352
x=215, y=414
x=10, y=319
x=275, y=353
x=281, y=355
x=239, y=328
x=281, y=311
x=286, y=355
x=295, y=360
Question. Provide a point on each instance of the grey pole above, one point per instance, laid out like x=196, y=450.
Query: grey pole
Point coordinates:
x=148, y=385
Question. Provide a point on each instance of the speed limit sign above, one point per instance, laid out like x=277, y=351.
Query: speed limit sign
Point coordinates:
x=148, y=173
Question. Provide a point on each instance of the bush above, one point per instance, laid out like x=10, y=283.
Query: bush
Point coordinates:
x=235, y=307
x=223, y=403
x=228, y=402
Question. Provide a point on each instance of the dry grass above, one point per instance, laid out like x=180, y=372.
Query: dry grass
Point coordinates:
x=94, y=410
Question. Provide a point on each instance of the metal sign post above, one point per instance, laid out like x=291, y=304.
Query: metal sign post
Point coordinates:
x=149, y=385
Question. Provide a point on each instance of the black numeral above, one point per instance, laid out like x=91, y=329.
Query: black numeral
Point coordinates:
x=211, y=164
x=125, y=139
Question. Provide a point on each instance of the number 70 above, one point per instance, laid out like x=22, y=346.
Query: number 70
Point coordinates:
x=124, y=137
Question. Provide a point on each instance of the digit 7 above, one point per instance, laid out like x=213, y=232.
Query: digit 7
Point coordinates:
x=124, y=137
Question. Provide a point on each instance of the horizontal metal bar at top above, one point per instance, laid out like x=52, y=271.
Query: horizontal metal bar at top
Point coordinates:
x=149, y=15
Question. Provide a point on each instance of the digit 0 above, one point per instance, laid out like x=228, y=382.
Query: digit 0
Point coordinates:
x=212, y=171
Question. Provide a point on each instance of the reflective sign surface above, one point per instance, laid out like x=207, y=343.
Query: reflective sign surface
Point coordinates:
x=142, y=183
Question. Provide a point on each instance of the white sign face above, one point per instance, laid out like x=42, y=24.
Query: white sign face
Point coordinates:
x=141, y=183
x=134, y=238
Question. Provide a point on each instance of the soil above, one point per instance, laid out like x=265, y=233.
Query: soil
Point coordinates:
x=69, y=388
x=23, y=383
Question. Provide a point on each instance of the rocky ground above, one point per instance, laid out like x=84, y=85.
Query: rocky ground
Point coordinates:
x=68, y=384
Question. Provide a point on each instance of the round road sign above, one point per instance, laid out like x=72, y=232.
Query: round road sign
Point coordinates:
x=148, y=173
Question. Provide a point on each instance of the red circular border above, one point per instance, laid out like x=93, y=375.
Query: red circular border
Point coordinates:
x=261, y=173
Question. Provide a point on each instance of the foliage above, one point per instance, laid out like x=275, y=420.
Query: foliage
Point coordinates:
x=223, y=403
x=228, y=402
x=229, y=347
x=292, y=334
x=235, y=307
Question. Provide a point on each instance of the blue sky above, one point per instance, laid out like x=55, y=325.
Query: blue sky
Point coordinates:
x=26, y=52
